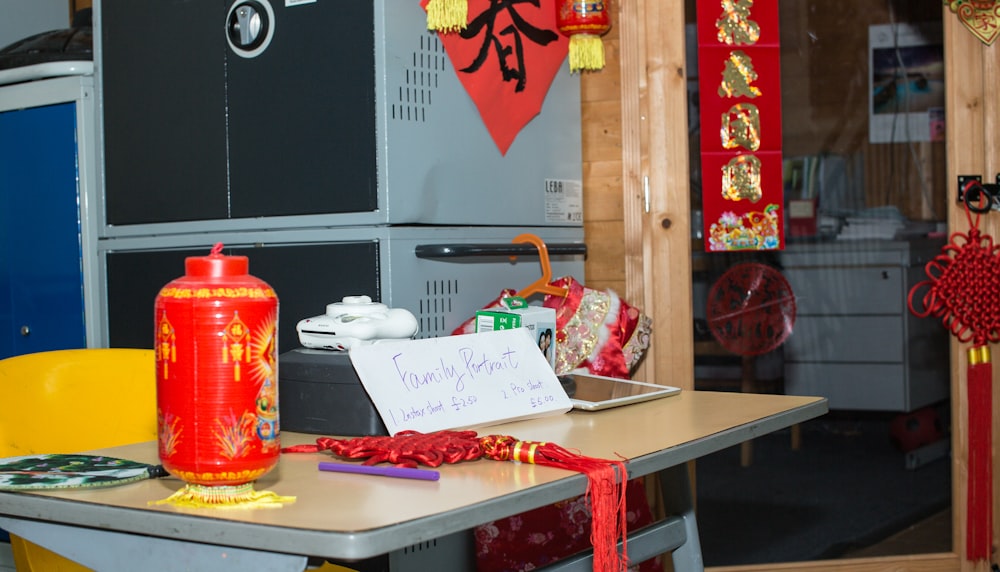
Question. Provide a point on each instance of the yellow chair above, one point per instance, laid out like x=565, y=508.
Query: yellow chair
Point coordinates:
x=66, y=401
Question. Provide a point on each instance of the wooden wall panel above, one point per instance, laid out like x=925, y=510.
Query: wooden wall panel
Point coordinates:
x=602, y=170
x=603, y=199
x=972, y=117
x=601, y=130
x=658, y=208
x=606, y=250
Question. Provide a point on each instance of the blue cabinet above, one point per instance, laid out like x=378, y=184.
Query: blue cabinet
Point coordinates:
x=43, y=299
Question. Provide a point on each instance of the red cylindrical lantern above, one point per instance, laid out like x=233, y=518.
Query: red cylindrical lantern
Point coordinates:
x=216, y=377
x=584, y=22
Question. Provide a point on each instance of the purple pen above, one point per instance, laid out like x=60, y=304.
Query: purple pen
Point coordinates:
x=397, y=472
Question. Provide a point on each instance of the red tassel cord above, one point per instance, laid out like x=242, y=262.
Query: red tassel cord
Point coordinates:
x=964, y=291
x=980, y=488
x=605, y=478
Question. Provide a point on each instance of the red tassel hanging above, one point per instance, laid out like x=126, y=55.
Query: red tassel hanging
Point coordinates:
x=605, y=478
x=980, y=487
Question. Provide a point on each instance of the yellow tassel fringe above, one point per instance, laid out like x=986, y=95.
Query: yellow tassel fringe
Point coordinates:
x=586, y=52
x=236, y=496
x=447, y=15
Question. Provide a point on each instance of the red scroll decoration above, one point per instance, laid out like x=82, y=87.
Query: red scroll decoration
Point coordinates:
x=963, y=290
x=216, y=381
x=506, y=58
x=740, y=96
x=605, y=478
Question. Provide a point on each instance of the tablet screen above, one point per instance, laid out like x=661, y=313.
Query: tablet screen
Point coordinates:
x=597, y=390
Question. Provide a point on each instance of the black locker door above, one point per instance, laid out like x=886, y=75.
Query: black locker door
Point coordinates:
x=196, y=131
x=163, y=70
x=306, y=277
x=302, y=112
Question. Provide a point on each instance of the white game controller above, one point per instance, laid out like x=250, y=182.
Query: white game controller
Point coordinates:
x=356, y=320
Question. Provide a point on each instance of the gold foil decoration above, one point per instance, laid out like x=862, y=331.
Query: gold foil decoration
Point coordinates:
x=741, y=179
x=741, y=127
x=734, y=26
x=738, y=77
x=979, y=16
x=237, y=345
x=754, y=230
x=166, y=344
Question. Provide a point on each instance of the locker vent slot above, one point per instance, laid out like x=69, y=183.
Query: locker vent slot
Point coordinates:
x=426, y=545
x=413, y=95
x=435, y=307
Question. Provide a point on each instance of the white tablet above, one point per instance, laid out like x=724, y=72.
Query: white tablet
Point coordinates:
x=595, y=392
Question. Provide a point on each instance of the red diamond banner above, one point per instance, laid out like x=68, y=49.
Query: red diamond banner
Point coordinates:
x=506, y=58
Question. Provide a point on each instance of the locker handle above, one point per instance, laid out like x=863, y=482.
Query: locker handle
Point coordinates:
x=434, y=251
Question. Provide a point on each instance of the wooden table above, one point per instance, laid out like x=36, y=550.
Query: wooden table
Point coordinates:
x=420, y=525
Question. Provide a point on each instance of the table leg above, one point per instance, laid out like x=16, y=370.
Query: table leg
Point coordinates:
x=675, y=485
x=111, y=551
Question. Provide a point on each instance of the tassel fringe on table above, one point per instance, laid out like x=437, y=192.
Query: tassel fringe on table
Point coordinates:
x=235, y=496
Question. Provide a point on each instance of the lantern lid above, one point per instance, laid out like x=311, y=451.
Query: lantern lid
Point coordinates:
x=216, y=264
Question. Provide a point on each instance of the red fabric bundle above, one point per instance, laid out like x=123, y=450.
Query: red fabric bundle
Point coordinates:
x=596, y=330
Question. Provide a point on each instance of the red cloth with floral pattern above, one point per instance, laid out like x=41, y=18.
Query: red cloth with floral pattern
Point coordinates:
x=539, y=537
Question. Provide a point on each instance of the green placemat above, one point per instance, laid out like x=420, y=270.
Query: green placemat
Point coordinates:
x=71, y=471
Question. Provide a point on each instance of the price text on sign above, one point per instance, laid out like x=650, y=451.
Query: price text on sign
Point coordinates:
x=459, y=381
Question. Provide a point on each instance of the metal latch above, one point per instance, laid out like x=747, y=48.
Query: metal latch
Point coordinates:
x=978, y=196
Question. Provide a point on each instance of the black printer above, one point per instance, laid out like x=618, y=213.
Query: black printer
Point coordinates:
x=320, y=392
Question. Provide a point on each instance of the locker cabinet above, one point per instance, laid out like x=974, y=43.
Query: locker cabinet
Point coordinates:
x=348, y=111
x=47, y=248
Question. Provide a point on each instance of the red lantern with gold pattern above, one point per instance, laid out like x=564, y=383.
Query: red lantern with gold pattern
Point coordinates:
x=216, y=374
x=584, y=22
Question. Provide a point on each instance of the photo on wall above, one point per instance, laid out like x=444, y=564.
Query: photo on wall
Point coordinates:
x=907, y=83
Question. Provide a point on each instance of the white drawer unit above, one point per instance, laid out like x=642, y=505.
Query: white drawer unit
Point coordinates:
x=855, y=341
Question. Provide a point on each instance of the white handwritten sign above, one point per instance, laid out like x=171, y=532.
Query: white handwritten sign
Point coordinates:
x=459, y=381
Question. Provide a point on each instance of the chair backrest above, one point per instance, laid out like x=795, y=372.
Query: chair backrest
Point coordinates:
x=67, y=401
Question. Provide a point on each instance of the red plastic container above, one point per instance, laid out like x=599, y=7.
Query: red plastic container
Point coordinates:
x=217, y=373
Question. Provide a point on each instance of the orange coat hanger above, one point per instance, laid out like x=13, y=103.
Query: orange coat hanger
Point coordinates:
x=542, y=284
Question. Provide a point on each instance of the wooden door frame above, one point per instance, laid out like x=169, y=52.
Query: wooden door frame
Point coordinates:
x=657, y=226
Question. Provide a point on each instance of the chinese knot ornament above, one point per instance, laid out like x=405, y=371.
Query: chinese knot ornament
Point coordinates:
x=961, y=289
x=584, y=22
x=216, y=380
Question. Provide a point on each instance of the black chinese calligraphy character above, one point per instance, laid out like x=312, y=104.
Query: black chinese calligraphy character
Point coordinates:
x=486, y=21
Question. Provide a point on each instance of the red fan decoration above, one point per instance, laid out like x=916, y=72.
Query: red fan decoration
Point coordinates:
x=605, y=478
x=963, y=290
x=751, y=309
